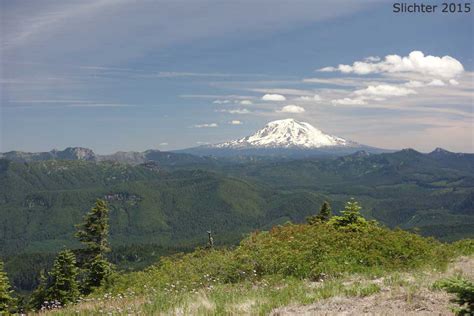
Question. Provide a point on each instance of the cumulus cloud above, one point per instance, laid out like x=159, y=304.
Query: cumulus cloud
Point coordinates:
x=308, y=98
x=384, y=90
x=235, y=122
x=291, y=108
x=163, y=144
x=206, y=125
x=245, y=102
x=415, y=62
x=273, y=97
x=348, y=101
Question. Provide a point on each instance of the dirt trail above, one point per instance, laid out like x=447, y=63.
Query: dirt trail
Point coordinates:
x=415, y=297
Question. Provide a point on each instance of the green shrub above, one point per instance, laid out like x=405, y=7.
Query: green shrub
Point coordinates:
x=464, y=291
x=464, y=247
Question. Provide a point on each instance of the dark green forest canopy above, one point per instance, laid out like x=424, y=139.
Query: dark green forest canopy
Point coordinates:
x=162, y=206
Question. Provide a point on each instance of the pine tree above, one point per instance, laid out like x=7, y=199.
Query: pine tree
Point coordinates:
x=7, y=302
x=60, y=286
x=64, y=287
x=323, y=216
x=98, y=270
x=93, y=233
x=39, y=295
x=351, y=218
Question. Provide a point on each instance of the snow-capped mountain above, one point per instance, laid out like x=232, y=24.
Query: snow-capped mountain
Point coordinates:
x=286, y=138
x=288, y=133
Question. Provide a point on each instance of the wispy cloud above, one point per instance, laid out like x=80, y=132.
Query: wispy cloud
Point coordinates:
x=206, y=125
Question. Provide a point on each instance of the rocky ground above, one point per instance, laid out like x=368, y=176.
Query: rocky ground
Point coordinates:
x=408, y=295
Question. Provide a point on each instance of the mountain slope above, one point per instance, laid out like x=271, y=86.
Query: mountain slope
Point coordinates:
x=40, y=202
x=286, y=137
x=163, y=158
x=286, y=134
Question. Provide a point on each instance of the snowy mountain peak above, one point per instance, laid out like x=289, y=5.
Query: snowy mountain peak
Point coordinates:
x=288, y=133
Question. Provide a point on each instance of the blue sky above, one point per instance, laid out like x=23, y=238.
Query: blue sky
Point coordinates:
x=134, y=75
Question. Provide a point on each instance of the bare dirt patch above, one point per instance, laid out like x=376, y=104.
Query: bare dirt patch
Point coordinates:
x=415, y=297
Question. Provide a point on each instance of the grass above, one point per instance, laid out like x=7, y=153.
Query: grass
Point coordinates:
x=288, y=265
x=223, y=299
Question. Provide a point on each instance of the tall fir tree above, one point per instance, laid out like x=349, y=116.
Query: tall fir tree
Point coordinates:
x=323, y=216
x=93, y=233
x=7, y=302
x=60, y=286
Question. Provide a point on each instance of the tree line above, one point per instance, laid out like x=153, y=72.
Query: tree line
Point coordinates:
x=74, y=272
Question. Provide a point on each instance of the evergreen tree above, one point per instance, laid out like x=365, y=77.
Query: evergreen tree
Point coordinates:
x=60, y=287
x=323, y=216
x=93, y=233
x=39, y=296
x=7, y=302
x=98, y=270
x=64, y=287
x=351, y=218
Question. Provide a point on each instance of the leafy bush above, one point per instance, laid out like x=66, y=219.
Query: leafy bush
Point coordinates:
x=464, y=290
x=464, y=247
x=299, y=251
x=309, y=251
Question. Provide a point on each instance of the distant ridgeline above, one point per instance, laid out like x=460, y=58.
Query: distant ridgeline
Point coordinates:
x=171, y=200
x=174, y=198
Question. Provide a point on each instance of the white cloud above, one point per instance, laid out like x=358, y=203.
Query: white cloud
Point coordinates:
x=453, y=82
x=202, y=143
x=291, y=108
x=328, y=69
x=235, y=122
x=206, y=125
x=235, y=111
x=414, y=84
x=221, y=101
x=348, y=101
x=246, y=102
x=163, y=144
x=419, y=84
x=372, y=59
x=308, y=98
x=415, y=62
x=384, y=90
x=436, y=83
x=273, y=97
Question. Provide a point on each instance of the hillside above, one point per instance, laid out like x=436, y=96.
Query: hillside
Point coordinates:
x=41, y=201
x=293, y=269
x=163, y=208
x=432, y=192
